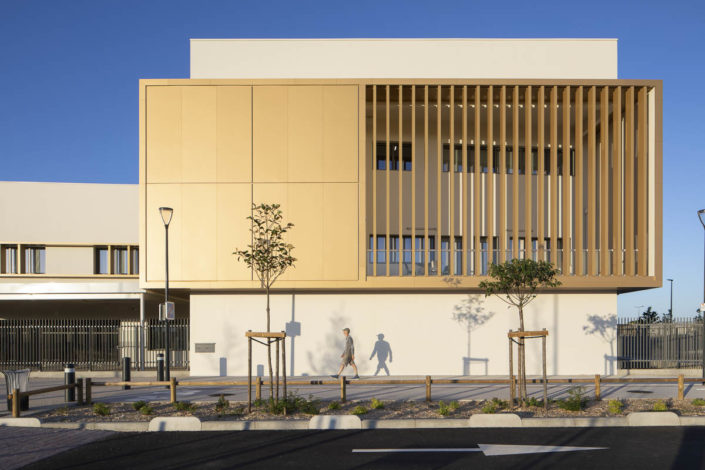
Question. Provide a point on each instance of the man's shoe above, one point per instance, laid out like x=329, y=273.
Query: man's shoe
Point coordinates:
x=335, y=376
x=356, y=377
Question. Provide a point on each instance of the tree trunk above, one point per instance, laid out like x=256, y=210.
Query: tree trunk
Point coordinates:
x=522, y=358
x=269, y=353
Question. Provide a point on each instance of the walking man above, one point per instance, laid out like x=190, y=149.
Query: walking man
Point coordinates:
x=348, y=356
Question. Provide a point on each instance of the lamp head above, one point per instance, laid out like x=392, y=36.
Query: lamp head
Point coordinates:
x=166, y=213
x=701, y=216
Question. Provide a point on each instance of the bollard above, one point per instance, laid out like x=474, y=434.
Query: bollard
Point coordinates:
x=681, y=386
x=172, y=387
x=16, y=403
x=126, y=372
x=69, y=379
x=88, y=391
x=343, y=394
x=160, y=367
x=428, y=388
x=258, y=389
x=597, y=387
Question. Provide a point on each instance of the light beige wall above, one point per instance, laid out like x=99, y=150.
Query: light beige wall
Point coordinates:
x=65, y=260
x=69, y=213
x=420, y=328
x=211, y=151
x=403, y=58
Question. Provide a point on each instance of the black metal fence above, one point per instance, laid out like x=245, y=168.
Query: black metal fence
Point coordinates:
x=90, y=344
x=676, y=344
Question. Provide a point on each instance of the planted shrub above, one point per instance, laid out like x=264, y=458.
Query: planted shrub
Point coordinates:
x=660, y=405
x=532, y=401
x=359, y=410
x=101, y=409
x=443, y=409
x=138, y=405
x=334, y=405
x=294, y=403
x=222, y=404
x=146, y=410
x=185, y=406
x=454, y=405
x=615, y=407
x=698, y=402
x=376, y=404
x=494, y=406
x=576, y=400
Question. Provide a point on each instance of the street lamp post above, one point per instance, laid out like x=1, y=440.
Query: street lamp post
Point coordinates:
x=166, y=213
x=670, y=310
x=701, y=216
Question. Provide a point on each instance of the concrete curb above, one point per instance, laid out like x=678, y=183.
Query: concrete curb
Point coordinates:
x=653, y=418
x=335, y=422
x=323, y=422
x=500, y=420
x=185, y=423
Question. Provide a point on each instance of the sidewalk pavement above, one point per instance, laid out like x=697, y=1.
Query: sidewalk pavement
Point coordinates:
x=356, y=390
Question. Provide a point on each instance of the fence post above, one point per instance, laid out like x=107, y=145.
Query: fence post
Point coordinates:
x=258, y=388
x=428, y=388
x=512, y=388
x=172, y=387
x=343, y=396
x=88, y=390
x=16, y=403
x=79, y=390
x=597, y=387
x=680, y=386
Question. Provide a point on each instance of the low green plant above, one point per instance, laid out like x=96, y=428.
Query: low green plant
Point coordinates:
x=359, y=410
x=615, y=407
x=185, y=406
x=376, y=404
x=138, y=405
x=294, y=403
x=660, y=405
x=334, y=405
x=533, y=401
x=454, y=405
x=101, y=409
x=146, y=410
x=576, y=400
x=698, y=402
x=222, y=404
x=443, y=409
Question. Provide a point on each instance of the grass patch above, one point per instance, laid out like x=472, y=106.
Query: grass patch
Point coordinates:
x=101, y=409
x=138, y=405
x=576, y=400
x=443, y=409
x=293, y=404
x=698, y=402
x=534, y=402
x=660, y=405
x=494, y=406
x=614, y=407
x=146, y=410
x=454, y=405
x=334, y=405
x=185, y=406
x=376, y=404
x=359, y=410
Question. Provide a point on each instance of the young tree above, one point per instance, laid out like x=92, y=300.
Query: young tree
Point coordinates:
x=515, y=282
x=268, y=256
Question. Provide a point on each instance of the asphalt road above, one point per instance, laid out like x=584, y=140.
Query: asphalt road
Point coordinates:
x=643, y=448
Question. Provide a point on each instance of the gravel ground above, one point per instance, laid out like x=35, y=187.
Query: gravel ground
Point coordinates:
x=390, y=410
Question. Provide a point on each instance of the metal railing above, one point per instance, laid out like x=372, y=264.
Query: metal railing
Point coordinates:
x=673, y=344
x=90, y=344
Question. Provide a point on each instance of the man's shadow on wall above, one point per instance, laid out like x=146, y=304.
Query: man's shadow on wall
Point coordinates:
x=383, y=351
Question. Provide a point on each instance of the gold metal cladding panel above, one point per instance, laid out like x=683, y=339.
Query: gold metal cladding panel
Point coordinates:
x=163, y=122
x=233, y=134
x=159, y=195
x=198, y=232
x=269, y=143
x=233, y=202
x=198, y=134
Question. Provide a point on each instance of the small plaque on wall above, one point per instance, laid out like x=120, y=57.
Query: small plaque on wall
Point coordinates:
x=205, y=347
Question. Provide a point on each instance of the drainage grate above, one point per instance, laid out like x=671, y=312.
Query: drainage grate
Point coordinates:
x=219, y=394
x=640, y=391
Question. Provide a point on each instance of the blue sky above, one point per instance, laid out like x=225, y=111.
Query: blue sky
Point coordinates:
x=69, y=72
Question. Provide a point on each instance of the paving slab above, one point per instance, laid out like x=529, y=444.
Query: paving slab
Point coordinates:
x=653, y=418
x=499, y=420
x=180, y=423
x=335, y=422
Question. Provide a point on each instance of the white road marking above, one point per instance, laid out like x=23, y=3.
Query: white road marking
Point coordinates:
x=487, y=449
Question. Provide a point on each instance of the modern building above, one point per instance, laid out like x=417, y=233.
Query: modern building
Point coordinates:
x=69, y=278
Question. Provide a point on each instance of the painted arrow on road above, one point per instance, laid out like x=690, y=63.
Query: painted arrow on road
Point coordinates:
x=487, y=449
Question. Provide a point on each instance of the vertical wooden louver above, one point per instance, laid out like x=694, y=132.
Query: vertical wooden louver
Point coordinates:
x=486, y=173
